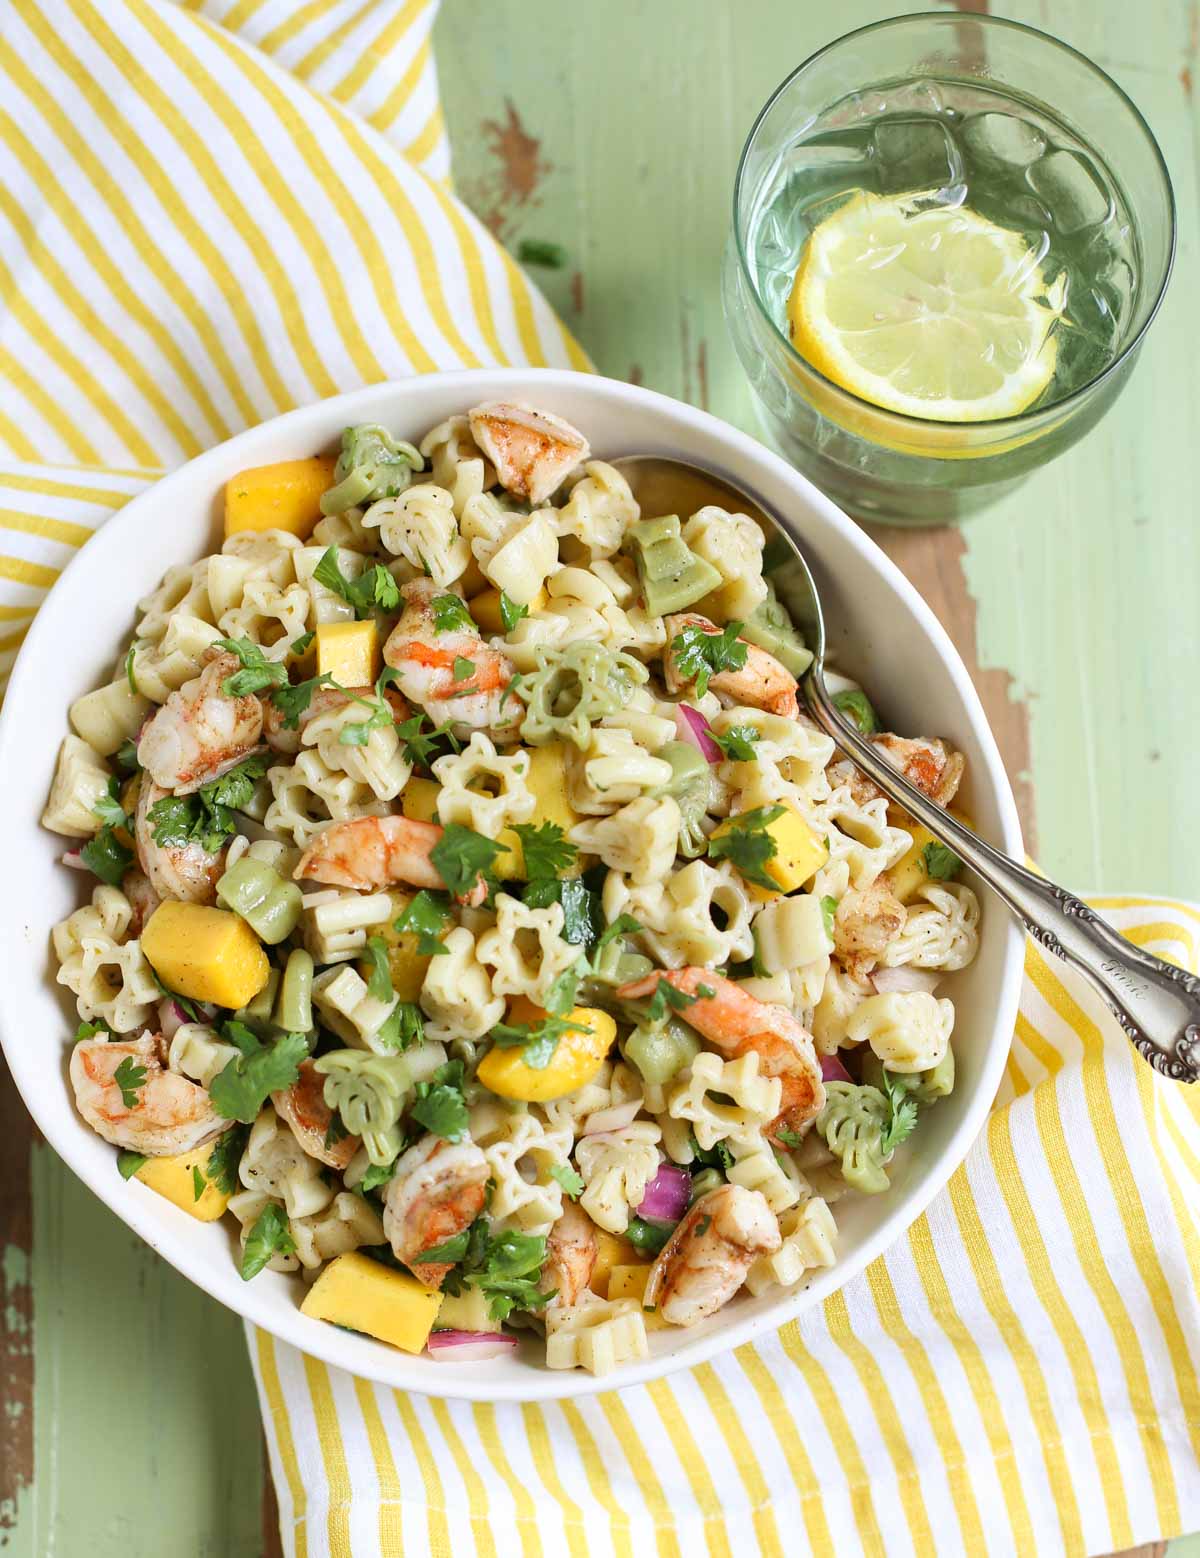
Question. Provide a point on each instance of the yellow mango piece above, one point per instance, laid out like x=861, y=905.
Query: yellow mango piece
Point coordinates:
x=485, y=608
x=630, y=1282
x=419, y=798
x=611, y=1251
x=349, y=652
x=907, y=877
x=406, y=965
x=547, y=783
x=285, y=496
x=205, y=954
x=577, y=1057
x=469, y=1310
x=358, y=1292
x=473, y=581
x=798, y=853
x=175, y=1178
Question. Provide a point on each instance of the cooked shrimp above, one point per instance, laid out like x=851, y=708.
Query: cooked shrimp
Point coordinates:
x=705, y=1261
x=762, y=683
x=146, y=1109
x=929, y=764
x=425, y=657
x=288, y=739
x=571, y=1250
x=438, y=1189
x=143, y=899
x=368, y=853
x=199, y=732
x=867, y=921
x=735, y=1022
x=184, y=871
x=304, y=1108
x=531, y=450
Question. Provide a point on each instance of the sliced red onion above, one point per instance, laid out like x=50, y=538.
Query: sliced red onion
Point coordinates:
x=903, y=981
x=74, y=859
x=694, y=729
x=614, y=1118
x=667, y=1195
x=171, y=1017
x=470, y=1346
x=832, y=1070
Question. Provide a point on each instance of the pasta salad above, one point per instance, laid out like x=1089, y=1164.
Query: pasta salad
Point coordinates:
x=477, y=918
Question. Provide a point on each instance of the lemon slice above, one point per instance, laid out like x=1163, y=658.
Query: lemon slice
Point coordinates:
x=926, y=309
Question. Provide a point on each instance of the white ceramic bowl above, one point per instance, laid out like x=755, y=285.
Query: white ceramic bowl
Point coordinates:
x=880, y=630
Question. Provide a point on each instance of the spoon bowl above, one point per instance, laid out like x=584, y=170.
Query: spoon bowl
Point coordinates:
x=1156, y=1004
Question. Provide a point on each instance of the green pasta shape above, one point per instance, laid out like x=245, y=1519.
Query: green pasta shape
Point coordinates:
x=293, y=1007
x=268, y=904
x=574, y=687
x=372, y=465
x=368, y=1091
x=852, y=1124
x=770, y=627
x=692, y=787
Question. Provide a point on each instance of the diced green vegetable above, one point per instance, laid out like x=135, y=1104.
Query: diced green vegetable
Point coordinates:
x=770, y=627
x=658, y=1053
x=672, y=576
x=856, y=706
x=268, y=904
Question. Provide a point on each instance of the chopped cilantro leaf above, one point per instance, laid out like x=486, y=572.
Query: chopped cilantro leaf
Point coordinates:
x=902, y=1114
x=568, y=1176
x=106, y=857
x=257, y=673
x=377, y=1174
x=748, y=845
x=240, y=1091
x=270, y=1236
x=90, y=1030
x=126, y=757
x=293, y=701
x=718, y=1157
x=425, y=918
x=461, y=855
x=507, y=1268
x=699, y=654
x=940, y=862
x=545, y=847
x=222, y=1166
x=623, y=925
x=737, y=743
x=199, y=1184
x=439, y=1105
x=299, y=646
x=206, y=816
x=451, y=614
x=109, y=809
x=667, y=998
x=379, y=984
x=381, y=716
x=404, y=1028
x=375, y=587
x=510, y=612
x=419, y=749
x=788, y=1138
x=130, y=1078
x=828, y=911
x=560, y=995
x=462, y=670
x=536, y=1040
x=128, y=1163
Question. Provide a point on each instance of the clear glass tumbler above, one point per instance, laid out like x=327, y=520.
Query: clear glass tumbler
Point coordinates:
x=1051, y=144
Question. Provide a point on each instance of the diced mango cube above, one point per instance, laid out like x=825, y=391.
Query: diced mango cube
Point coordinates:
x=485, y=608
x=798, y=853
x=630, y=1282
x=577, y=1057
x=473, y=581
x=470, y=1310
x=419, y=799
x=358, y=1292
x=176, y=1179
x=205, y=954
x=284, y=496
x=907, y=877
x=349, y=652
x=406, y=965
x=547, y=783
x=611, y=1251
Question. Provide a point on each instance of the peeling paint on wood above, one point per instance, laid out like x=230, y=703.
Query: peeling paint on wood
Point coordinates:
x=508, y=186
x=16, y=1305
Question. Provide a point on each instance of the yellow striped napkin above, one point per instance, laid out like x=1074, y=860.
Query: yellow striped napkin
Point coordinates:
x=210, y=214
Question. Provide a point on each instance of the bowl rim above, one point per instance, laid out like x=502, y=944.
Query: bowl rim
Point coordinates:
x=341, y=1349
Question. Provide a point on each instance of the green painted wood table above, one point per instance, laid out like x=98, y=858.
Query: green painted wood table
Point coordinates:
x=129, y=1427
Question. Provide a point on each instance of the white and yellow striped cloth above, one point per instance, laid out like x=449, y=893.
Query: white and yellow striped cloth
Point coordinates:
x=209, y=215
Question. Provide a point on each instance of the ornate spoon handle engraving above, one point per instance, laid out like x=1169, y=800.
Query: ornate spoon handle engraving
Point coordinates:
x=1157, y=1004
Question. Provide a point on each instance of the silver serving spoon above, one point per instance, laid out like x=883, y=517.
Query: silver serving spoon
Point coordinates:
x=1157, y=1004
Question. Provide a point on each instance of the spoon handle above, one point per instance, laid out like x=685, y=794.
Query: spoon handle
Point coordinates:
x=1157, y=1004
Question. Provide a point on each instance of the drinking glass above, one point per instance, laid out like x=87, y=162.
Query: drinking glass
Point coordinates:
x=1001, y=118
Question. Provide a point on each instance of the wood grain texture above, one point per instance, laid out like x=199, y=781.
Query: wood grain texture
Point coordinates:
x=614, y=130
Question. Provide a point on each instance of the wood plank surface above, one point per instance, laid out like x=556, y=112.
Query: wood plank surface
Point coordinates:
x=128, y=1423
